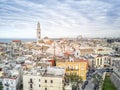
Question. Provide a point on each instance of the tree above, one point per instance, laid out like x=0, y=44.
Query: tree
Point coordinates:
x=74, y=87
x=75, y=80
x=97, y=80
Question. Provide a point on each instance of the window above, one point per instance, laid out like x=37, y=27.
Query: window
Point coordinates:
x=45, y=88
x=82, y=73
x=30, y=80
x=100, y=61
x=51, y=81
x=30, y=85
x=39, y=80
x=76, y=67
x=68, y=67
x=45, y=81
x=39, y=85
x=82, y=67
x=77, y=54
x=72, y=67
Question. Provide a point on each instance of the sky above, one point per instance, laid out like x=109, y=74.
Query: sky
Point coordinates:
x=59, y=18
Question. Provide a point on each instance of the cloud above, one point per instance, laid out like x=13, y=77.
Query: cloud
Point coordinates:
x=60, y=18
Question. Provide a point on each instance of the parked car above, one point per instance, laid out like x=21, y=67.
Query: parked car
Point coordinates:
x=86, y=82
x=96, y=87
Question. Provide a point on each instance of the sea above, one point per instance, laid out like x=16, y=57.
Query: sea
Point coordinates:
x=8, y=40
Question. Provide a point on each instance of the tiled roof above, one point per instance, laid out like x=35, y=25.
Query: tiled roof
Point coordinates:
x=16, y=40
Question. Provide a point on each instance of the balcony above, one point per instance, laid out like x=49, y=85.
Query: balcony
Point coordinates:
x=30, y=82
x=72, y=69
x=31, y=87
x=6, y=84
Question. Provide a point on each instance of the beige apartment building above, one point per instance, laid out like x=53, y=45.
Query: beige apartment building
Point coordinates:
x=44, y=80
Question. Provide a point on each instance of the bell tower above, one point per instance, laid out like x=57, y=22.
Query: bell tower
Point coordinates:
x=38, y=32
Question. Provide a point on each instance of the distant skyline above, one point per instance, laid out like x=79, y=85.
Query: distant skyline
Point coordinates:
x=59, y=18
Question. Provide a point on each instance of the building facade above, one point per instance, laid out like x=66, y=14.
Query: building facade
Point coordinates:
x=44, y=79
x=38, y=32
x=101, y=61
x=78, y=67
x=12, y=79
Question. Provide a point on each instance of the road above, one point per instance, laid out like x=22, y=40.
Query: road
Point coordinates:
x=90, y=85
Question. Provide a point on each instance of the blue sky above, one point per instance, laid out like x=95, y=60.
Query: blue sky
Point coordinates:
x=59, y=18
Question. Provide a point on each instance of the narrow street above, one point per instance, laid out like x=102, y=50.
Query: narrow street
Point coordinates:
x=90, y=85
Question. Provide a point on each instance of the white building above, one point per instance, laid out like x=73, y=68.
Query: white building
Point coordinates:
x=12, y=79
x=41, y=78
x=104, y=50
x=101, y=61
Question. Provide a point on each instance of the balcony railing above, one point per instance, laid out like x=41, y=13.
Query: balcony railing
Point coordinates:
x=31, y=82
x=72, y=69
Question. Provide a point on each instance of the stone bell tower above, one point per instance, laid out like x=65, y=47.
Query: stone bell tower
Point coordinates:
x=38, y=32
